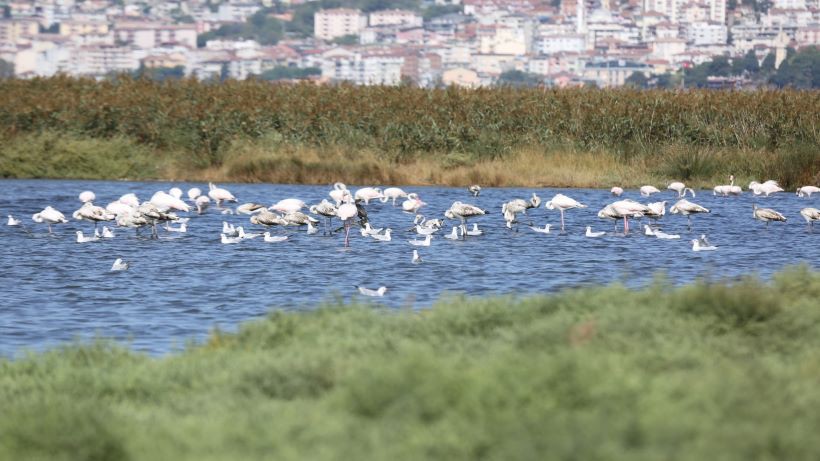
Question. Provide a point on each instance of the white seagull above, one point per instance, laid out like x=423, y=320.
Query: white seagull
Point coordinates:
x=421, y=243
x=589, y=232
x=383, y=237
x=83, y=239
x=475, y=231
x=119, y=265
x=368, y=292
x=274, y=238
x=544, y=230
x=702, y=244
x=228, y=240
x=452, y=235
x=12, y=221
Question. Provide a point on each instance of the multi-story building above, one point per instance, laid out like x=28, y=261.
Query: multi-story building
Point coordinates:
x=362, y=68
x=395, y=18
x=330, y=24
x=706, y=33
x=12, y=30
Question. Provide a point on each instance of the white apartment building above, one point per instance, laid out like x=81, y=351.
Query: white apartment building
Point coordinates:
x=395, y=18
x=330, y=24
x=99, y=61
x=150, y=34
x=674, y=9
x=790, y=4
x=549, y=44
x=339, y=64
x=11, y=30
x=706, y=33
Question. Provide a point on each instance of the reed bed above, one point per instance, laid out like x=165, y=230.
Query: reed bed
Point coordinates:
x=714, y=370
x=388, y=128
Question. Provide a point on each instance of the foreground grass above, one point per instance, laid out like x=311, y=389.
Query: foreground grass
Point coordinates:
x=708, y=371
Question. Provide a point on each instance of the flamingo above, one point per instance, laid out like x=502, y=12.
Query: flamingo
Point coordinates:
x=297, y=218
x=623, y=209
x=346, y=213
x=463, y=212
x=175, y=192
x=646, y=191
x=475, y=190
x=728, y=189
x=767, y=188
x=810, y=215
x=393, y=193
x=327, y=210
x=92, y=213
x=133, y=220
x=589, y=232
x=562, y=202
x=202, y=203
x=49, y=216
x=806, y=191
x=87, y=196
x=367, y=194
x=413, y=203
x=164, y=202
x=249, y=208
x=267, y=218
x=288, y=205
x=339, y=193
x=616, y=191
x=193, y=193
x=511, y=209
x=687, y=208
x=766, y=215
x=220, y=195
x=680, y=188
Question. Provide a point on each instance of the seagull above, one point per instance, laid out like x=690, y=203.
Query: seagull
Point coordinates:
x=616, y=191
x=273, y=239
x=119, y=265
x=810, y=215
x=594, y=234
x=422, y=230
x=562, y=202
x=475, y=231
x=227, y=240
x=766, y=215
x=475, y=189
x=368, y=230
x=646, y=191
x=664, y=236
x=49, y=216
x=648, y=230
x=311, y=228
x=416, y=258
x=393, y=193
x=806, y=191
x=452, y=235
x=698, y=245
x=687, y=208
x=181, y=229
x=383, y=237
x=228, y=229
x=421, y=243
x=242, y=235
x=368, y=292
x=106, y=233
x=12, y=221
x=680, y=188
x=544, y=230
x=83, y=239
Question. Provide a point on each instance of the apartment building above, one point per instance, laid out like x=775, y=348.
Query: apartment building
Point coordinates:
x=330, y=24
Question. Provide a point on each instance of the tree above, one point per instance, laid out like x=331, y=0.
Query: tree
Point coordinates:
x=346, y=40
x=666, y=80
x=434, y=11
x=768, y=63
x=800, y=70
x=289, y=73
x=260, y=26
x=636, y=80
x=6, y=69
x=519, y=78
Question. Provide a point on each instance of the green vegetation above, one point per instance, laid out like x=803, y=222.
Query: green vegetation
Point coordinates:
x=708, y=371
x=6, y=69
x=495, y=136
x=290, y=73
x=519, y=78
x=800, y=69
x=260, y=26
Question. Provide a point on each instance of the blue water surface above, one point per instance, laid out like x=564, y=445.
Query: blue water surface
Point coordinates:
x=181, y=286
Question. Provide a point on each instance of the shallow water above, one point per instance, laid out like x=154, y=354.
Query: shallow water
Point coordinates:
x=181, y=286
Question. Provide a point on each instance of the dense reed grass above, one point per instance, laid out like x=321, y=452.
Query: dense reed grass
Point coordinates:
x=722, y=370
x=200, y=125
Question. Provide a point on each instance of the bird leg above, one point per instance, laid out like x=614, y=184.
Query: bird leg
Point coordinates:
x=49, y=229
x=347, y=233
x=562, y=219
x=689, y=220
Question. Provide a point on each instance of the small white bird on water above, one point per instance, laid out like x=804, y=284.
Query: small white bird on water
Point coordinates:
x=106, y=233
x=181, y=229
x=452, y=235
x=648, y=230
x=421, y=243
x=12, y=221
x=383, y=237
x=274, y=238
x=228, y=240
x=664, y=236
x=702, y=244
x=119, y=265
x=544, y=230
x=242, y=235
x=590, y=233
x=416, y=258
x=475, y=231
x=83, y=239
x=368, y=292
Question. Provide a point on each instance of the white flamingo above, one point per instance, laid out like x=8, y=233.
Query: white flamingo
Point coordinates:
x=165, y=202
x=623, y=209
x=87, y=196
x=193, y=193
x=326, y=210
x=728, y=189
x=49, y=216
x=562, y=202
x=680, y=188
x=617, y=191
x=413, y=203
x=347, y=212
x=367, y=194
x=463, y=212
x=175, y=192
x=202, y=203
x=340, y=193
x=393, y=193
x=288, y=205
x=219, y=194
x=646, y=191
x=810, y=215
x=687, y=208
x=806, y=191
x=92, y=213
x=249, y=208
x=767, y=188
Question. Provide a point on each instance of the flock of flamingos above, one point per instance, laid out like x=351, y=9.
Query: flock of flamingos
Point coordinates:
x=350, y=209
